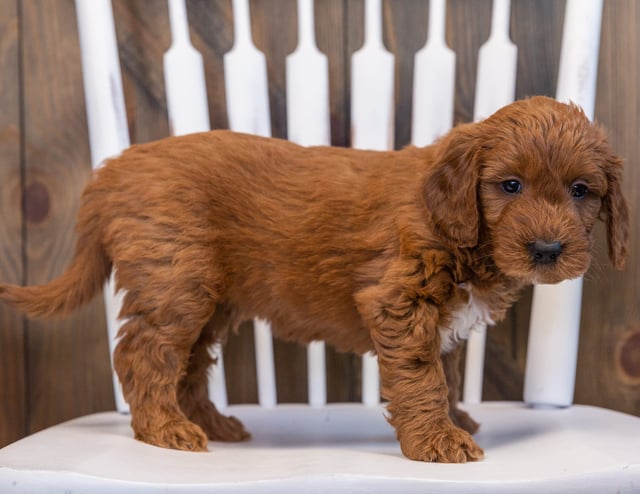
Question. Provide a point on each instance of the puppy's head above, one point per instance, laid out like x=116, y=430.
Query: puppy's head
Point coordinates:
x=529, y=183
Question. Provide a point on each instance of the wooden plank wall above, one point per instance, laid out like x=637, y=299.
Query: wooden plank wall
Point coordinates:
x=52, y=371
x=13, y=396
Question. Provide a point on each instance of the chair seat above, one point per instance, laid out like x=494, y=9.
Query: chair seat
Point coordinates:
x=337, y=448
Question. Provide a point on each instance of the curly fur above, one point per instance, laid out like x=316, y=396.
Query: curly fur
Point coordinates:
x=365, y=250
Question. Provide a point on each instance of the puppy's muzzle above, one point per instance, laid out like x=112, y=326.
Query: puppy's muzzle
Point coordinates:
x=543, y=252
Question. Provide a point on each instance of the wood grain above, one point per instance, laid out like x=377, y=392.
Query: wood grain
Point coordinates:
x=240, y=366
x=211, y=25
x=142, y=29
x=274, y=33
x=406, y=34
x=611, y=314
x=468, y=25
x=330, y=37
x=13, y=384
x=67, y=368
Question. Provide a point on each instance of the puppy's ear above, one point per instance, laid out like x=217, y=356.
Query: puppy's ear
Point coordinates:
x=451, y=187
x=617, y=213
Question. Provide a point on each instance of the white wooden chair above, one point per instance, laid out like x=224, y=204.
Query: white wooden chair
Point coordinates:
x=541, y=445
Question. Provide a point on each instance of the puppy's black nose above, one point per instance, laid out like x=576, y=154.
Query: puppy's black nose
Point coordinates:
x=543, y=252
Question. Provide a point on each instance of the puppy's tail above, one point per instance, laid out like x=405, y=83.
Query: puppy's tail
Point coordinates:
x=89, y=268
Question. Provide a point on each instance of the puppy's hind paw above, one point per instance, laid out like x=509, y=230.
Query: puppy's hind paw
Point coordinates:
x=463, y=420
x=180, y=435
x=217, y=427
x=449, y=444
x=227, y=429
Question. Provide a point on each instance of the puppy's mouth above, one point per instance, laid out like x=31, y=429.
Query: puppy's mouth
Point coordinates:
x=543, y=261
x=547, y=274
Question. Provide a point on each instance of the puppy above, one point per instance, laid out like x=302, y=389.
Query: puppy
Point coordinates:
x=400, y=252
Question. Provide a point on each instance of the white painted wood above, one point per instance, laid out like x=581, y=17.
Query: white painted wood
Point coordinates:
x=217, y=379
x=107, y=121
x=552, y=351
x=497, y=64
x=495, y=88
x=370, y=380
x=372, y=89
x=433, y=81
x=106, y=114
x=307, y=80
x=474, y=366
x=188, y=110
x=245, y=76
x=372, y=123
x=265, y=368
x=308, y=124
x=555, y=316
x=335, y=449
x=317, y=374
x=578, y=71
x=184, y=77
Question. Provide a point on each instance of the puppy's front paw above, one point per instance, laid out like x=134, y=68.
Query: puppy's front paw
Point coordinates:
x=446, y=444
x=182, y=435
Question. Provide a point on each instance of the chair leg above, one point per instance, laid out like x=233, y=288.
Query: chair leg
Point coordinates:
x=193, y=394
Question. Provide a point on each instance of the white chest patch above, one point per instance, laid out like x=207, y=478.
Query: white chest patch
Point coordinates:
x=472, y=316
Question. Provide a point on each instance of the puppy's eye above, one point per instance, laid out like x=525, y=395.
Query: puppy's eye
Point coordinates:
x=511, y=187
x=578, y=191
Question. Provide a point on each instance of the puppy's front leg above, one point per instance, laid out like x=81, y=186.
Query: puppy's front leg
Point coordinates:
x=402, y=312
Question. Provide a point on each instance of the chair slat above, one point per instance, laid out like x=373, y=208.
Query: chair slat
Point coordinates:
x=307, y=80
x=474, y=366
x=497, y=65
x=184, y=77
x=107, y=121
x=372, y=120
x=265, y=367
x=245, y=77
x=433, y=81
x=372, y=87
x=578, y=71
x=246, y=87
x=217, y=379
x=370, y=380
x=555, y=316
x=495, y=88
x=317, y=374
x=188, y=110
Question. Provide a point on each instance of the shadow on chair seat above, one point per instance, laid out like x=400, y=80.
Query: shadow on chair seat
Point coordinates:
x=337, y=448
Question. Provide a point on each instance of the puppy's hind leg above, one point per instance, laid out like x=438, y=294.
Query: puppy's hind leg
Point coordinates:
x=193, y=392
x=451, y=366
x=170, y=298
x=149, y=360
